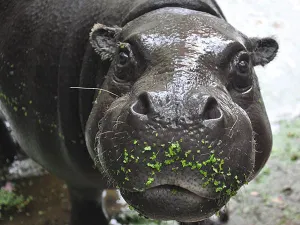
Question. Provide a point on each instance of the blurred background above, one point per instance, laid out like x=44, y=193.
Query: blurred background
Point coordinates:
x=273, y=198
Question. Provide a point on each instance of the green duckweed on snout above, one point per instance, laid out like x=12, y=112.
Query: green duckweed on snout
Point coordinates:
x=175, y=158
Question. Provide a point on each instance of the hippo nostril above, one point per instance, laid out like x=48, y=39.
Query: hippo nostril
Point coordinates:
x=211, y=110
x=212, y=113
x=142, y=105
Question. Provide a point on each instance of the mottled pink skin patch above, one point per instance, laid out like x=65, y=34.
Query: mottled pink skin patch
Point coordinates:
x=8, y=187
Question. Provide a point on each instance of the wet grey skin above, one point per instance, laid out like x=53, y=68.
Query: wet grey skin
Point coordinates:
x=178, y=123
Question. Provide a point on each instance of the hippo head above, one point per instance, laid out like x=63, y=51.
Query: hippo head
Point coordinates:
x=183, y=125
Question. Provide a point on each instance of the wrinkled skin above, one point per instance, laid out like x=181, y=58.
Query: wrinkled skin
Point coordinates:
x=178, y=124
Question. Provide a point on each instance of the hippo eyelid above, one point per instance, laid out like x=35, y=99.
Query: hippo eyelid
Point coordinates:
x=136, y=46
x=141, y=57
x=229, y=52
x=247, y=91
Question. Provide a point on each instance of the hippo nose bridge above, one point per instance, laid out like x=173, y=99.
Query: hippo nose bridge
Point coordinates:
x=202, y=107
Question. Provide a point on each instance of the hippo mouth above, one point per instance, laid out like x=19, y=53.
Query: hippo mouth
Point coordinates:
x=176, y=171
x=201, y=194
x=158, y=202
x=176, y=189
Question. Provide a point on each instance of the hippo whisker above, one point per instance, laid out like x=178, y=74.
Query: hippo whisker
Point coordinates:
x=106, y=132
x=121, y=132
x=206, y=154
x=114, y=138
x=99, y=89
x=112, y=108
x=240, y=150
x=230, y=134
x=119, y=157
x=118, y=122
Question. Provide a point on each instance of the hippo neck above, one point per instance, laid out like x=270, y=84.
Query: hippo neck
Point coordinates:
x=145, y=6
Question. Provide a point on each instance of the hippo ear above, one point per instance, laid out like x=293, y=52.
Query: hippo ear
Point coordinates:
x=265, y=50
x=103, y=40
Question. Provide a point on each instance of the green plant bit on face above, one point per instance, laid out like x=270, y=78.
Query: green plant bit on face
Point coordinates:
x=219, y=189
x=237, y=180
x=221, y=165
x=122, y=45
x=150, y=181
x=174, y=148
x=187, y=153
x=204, y=173
x=215, y=170
x=199, y=165
x=169, y=161
x=184, y=163
x=207, y=182
x=126, y=158
x=175, y=168
x=216, y=183
x=154, y=156
x=156, y=166
x=230, y=193
x=147, y=148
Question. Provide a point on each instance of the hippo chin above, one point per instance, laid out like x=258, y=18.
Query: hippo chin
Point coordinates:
x=177, y=123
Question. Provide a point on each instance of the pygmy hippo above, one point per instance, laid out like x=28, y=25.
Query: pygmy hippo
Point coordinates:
x=158, y=98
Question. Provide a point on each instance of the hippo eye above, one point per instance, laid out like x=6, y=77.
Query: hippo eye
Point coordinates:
x=243, y=66
x=125, y=64
x=242, y=79
x=242, y=63
x=123, y=58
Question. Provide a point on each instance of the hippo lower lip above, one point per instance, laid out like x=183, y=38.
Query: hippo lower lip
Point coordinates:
x=170, y=202
x=179, y=190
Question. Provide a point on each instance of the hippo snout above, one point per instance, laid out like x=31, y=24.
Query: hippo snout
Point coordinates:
x=196, y=149
x=152, y=106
